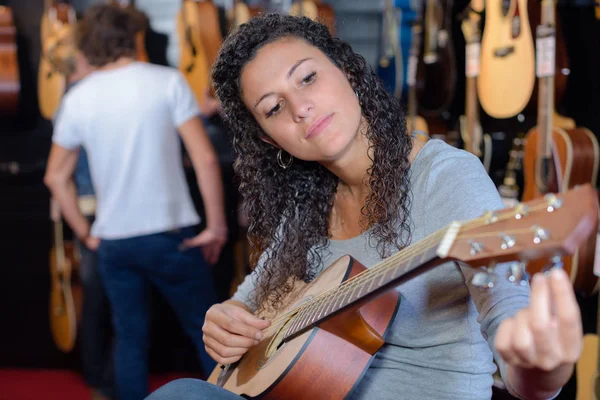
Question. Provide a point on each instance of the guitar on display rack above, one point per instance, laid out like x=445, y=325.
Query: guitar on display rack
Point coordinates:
x=507, y=72
x=475, y=141
x=557, y=159
x=389, y=67
x=56, y=27
x=315, y=10
x=10, y=82
x=415, y=123
x=66, y=293
x=321, y=341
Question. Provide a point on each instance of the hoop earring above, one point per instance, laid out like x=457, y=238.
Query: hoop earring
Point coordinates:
x=280, y=160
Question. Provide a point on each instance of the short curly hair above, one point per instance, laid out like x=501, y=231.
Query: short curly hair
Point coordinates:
x=289, y=209
x=107, y=32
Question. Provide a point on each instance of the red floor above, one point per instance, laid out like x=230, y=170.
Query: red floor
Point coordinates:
x=31, y=384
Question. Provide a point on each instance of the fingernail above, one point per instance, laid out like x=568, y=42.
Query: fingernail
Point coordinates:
x=537, y=278
x=258, y=335
x=558, y=273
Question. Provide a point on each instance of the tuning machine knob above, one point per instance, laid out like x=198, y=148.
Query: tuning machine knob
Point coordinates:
x=555, y=262
x=486, y=278
x=517, y=273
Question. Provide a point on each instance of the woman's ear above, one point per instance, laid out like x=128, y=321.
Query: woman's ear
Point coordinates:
x=270, y=141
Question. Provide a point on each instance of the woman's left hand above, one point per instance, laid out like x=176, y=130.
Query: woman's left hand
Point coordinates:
x=548, y=334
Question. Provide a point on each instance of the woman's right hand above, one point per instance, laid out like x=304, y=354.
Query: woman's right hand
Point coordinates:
x=230, y=330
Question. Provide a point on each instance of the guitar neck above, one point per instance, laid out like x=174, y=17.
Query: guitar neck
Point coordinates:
x=546, y=78
x=417, y=33
x=390, y=272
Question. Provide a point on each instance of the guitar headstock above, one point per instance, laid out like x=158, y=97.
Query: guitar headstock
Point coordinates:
x=555, y=225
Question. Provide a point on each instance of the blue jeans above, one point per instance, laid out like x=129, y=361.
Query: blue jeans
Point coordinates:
x=128, y=268
x=191, y=389
x=94, y=334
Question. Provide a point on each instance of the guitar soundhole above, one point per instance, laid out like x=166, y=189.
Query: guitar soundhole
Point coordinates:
x=277, y=340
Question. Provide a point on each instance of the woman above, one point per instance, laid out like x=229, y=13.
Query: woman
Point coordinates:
x=327, y=168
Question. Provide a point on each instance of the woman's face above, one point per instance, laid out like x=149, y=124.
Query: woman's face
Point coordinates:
x=302, y=101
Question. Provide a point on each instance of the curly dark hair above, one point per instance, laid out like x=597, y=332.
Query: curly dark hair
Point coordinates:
x=289, y=209
x=107, y=32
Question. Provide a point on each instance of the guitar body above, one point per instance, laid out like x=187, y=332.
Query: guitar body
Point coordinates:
x=588, y=387
x=51, y=83
x=436, y=68
x=10, y=84
x=193, y=62
x=507, y=73
x=316, y=364
x=561, y=56
x=65, y=298
x=576, y=157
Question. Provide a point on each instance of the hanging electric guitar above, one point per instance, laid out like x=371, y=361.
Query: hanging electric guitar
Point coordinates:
x=436, y=69
x=322, y=340
x=56, y=27
x=65, y=291
x=10, y=83
x=389, y=67
x=556, y=159
x=507, y=59
x=475, y=141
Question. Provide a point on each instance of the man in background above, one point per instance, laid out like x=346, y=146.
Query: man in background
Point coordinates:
x=126, y=115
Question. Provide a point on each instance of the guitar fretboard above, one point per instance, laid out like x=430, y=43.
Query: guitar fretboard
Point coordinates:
x=389, y=272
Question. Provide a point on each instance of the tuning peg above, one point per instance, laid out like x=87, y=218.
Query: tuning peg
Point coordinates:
x=540, y=234
x=555, y=262
x=554, y=202
x=486, y=278
x=490, y=217
x=476, y=247
x=508, y=242
x=521, y=211
x=517, y=273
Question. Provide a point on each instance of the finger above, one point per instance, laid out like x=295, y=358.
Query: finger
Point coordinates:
x=224, y=351
x=227, y=339
x=567, y=314
x=522, y=340
x=540, y=306
x=219, y=359
x=251, y=319
x=233, y=325
x=503, y=341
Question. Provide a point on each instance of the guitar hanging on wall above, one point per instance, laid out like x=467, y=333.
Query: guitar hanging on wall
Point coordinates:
x=322, y=340
x=507, y=59
x=10, y=83
x=56, y=26
x=556, y=159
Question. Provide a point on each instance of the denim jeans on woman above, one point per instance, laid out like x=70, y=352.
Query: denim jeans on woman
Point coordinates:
x=129, y=267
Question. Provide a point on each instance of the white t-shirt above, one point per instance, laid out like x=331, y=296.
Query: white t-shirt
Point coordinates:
x=127, y=120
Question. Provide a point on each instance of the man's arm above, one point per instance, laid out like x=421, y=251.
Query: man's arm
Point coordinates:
x=208, y=173
x=59, y=179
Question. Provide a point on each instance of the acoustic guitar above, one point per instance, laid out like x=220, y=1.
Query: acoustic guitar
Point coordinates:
x=316, y=11
x=66, y=293
x=10, y=83
x=140, y=37
x=56, y=27
x=436, y=69
x=559, y=159
x=321, y=342
x=239, y=13
x=507, y=59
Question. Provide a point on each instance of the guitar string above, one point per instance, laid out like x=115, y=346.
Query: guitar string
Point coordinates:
x=383, y=267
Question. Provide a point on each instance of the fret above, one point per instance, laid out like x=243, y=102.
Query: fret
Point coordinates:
x=318, y=313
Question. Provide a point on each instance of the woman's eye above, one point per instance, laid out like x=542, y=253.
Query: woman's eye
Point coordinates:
x=274, y=110
x=309, y=78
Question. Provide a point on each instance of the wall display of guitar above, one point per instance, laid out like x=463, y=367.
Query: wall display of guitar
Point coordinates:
x=315, y=10
x=55, y=27
x=507, y=59
x=200, y=38
x=436, y=69
x=413, y=120
x=475, y=141
x=10, y=82
x=66, y=293
x=140, y=38
x=238, y=12
x=320, y=343
x=511, y=188
x=390, y=64
x=559, y=159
